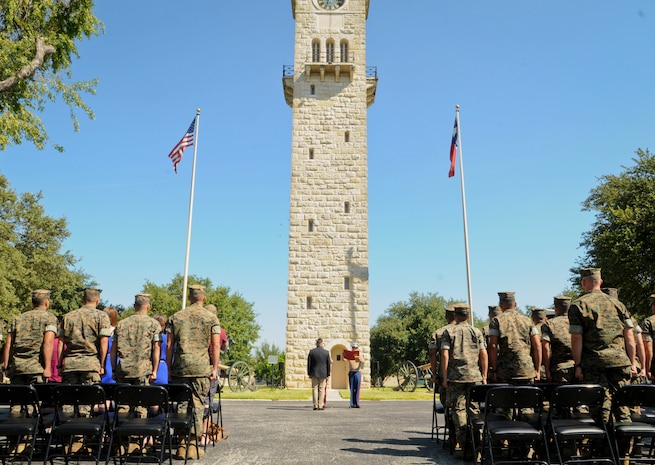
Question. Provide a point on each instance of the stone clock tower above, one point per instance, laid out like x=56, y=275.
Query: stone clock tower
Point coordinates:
x=329, y=87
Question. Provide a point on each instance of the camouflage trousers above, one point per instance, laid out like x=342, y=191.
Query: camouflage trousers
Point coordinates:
x=456, y=395
x=200, y=388
x=25, y=380
x=141, y=412
x=563, y=375
x=612, y=379
x=79, y=377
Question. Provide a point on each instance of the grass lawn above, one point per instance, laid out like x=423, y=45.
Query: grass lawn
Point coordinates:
x=267, y=393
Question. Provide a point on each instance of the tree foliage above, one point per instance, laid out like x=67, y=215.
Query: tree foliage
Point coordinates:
x=38, y=40
x=622, y=238
x=30, y=247
x=236, y=315
x=404, y=330
x=262, y=367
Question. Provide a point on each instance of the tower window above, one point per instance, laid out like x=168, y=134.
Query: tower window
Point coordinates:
x=329, y=51
x=346, y=283
x=346, y=136
x=311, y=154
x=316, y=51
x=309, y=302
x=346, y=207
x=310, y=226
x=312, y=90
x=344, y=52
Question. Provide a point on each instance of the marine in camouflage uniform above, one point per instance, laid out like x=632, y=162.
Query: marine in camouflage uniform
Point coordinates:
x=514, y=355
x=434, y=348
x=494, y=311
x=602, y=340
x=538, y=319
x=30, y=341
x=136, y=346
x=556, y=343
x=4, y=330
x=85, y=334
x=191, y=331
x=463, y=365
x=640, y=350
x=648, y=327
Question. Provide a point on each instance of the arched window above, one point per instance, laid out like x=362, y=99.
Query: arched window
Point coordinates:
x=329, y=51
x=316, y=51
x=344, y=52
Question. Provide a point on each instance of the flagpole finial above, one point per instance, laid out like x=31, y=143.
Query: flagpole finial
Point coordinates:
x=457, y=107
x=198, y=111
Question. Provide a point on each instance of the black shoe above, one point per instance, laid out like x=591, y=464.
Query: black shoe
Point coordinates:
x=315, y=408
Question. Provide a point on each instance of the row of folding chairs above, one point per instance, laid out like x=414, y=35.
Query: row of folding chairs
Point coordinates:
x=118, y=422
x=533, y=424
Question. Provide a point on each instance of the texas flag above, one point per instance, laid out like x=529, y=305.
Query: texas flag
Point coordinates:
x=453, y=150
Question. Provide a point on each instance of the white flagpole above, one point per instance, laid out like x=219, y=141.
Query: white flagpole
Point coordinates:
x=466, y=231
x=188, y=233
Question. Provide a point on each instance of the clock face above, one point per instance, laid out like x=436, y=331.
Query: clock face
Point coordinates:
x=331, y=4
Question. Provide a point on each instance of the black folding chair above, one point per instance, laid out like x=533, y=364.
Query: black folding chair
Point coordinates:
x=128, y=425
x=437, y=409
x=513, y=438
x=213, y=416
x=634, y=440
x=47, y=403
x=475, y=421
x=19, y=422
x=577, y=436
x=182, y=422
x=77, y=430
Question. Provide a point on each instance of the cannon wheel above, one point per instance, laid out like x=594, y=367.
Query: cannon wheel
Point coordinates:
x=427, y=376
x=239, y=376
x=407, y=377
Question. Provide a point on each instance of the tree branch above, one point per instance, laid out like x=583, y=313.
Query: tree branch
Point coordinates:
x=42, y=51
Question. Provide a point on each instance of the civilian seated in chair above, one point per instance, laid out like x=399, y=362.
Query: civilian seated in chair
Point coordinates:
x=463, y=365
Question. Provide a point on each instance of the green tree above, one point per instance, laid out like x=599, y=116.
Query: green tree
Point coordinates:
x=236, y=315
x=262, y=367
x=622, y=238
x=404, y=330
x=38, y=40
x=30, y=246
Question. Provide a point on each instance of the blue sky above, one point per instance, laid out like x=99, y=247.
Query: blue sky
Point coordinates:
x=553, y=95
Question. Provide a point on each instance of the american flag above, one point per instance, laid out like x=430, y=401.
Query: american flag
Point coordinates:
x=186, y=141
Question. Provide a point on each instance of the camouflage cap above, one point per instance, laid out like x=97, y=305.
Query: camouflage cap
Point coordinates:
x=495, y=310
x=141, y=299
x=91, y=293
x=506, y=296
x=211, y=308
x=450, y=309
x=461, y=308
x=40, y=294
x=196, y=289
x=584, y=272
x=539, y=312
x=611, y=291
x=652, y=299
x=561, y=300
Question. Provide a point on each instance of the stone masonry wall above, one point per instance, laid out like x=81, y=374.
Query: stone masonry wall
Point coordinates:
x=329, y=188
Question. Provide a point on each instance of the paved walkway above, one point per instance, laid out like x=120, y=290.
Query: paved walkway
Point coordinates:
x=291, y=432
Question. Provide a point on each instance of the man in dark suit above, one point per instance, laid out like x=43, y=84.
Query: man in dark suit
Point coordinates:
x=318, y=368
